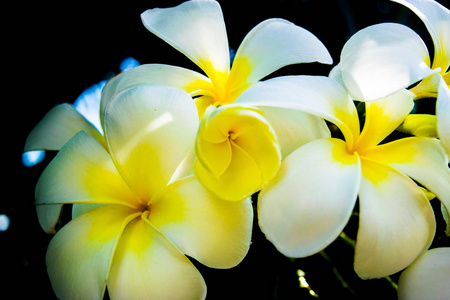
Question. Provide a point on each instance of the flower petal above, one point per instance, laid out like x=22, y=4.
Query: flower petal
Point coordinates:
x=301, y=212
x=422, y=159
x=147, y=266
x=384, y=116
x=437, y=20
x=272, y=44
x=215, y=232
x=382, y=59
x=82, y=172
x=155, y=74
x=427, y=277
x=58, y=126
x=79, y=256
x=48, y=216
x=396, y=222
x=149, y=130
x=294, y=128
x=195, y=28
x=443, y=115
x=317, y=95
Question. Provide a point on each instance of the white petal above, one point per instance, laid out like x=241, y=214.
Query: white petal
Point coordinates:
x=79, y=255
x=58, y=126
x=427, y=278
x=382, y=59
x=82, y=172
x=150, y=130
x=48, y=216
x=443, y=115
x=147, y=266
x=155, y=74
x=275, y=43
x=308, y=203
x=317, y=95
x=437, y=20
x=195, y=28
x=396, y=222
x=214, y=231
x=294, y=128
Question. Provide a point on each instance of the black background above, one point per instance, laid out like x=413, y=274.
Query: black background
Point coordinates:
x=51, y=53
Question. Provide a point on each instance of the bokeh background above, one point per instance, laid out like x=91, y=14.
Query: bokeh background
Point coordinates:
x=53, y=53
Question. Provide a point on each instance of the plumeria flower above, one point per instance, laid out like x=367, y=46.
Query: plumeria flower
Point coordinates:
x=385, y=58
x=197, y=29
x=427, y=277
x=134, y=215
x=310, y=200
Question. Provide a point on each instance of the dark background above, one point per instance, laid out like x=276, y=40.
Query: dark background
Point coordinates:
x=53, y=52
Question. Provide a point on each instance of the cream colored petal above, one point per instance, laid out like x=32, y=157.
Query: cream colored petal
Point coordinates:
x=272, y=44
x=79, y=256
x=308, y=203
x=382, y=59
x=195, y=28
x=396, y=221
x=48, y=216
x=215, y=232
x=58, y=126
x=437, y=20
x=82, y=172
x=427, y=277
x=147, y=266
x=149, y=130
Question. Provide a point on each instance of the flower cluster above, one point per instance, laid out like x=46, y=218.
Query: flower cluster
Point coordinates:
x=179, y=154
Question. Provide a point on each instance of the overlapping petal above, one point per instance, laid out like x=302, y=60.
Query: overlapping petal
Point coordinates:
x=236, y=147
x=396, y=221
x=79, y=256
x=142, y=126
x=317, y=95
x=382, y=59
x=197, y=29
x=215, y=232
x=301, y=212
x=147, y=266
x=58, y=126
x=83, y=172
x=427, y=277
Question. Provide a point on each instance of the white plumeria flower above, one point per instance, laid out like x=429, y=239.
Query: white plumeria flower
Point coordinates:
x=382, y=59
x=308, y=203
x=427, y=278
x=145, y=217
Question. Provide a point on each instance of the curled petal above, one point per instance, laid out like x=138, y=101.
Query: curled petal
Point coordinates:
x=272, y=44
x=195, y=28
x=58, y=126
x=215, y=232
x=149, y=130
x=396, y=222
x=301, y=212
x=443, y=115
x=382, y=59
x=79, y=255
x=48, y=216
x=147, y=266
x=420, y=125
x=236, y=147
x=427, y=277
x=437, y=20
